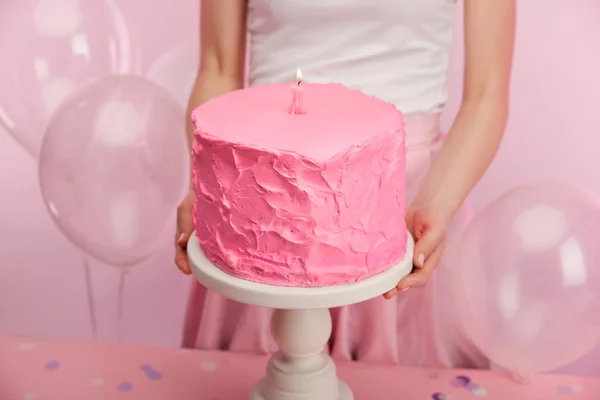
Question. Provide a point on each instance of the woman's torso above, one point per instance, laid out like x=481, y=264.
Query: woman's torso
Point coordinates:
x=396, y=50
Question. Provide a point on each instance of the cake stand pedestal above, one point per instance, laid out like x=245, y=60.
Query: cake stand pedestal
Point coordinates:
x=301, y=325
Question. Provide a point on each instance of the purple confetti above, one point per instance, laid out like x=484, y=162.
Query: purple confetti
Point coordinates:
x=125, y=387
x=460, y=381
x=154, y=375
x=151, y=373
x=434, y=376
x=439, y=396
x=52, y=365
x=564, y=390
x=472, y=386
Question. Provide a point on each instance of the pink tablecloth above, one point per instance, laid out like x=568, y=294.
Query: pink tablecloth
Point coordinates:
x=67, y=370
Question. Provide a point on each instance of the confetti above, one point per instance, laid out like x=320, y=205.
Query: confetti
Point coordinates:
x=151, y=373
x=154, y=375
x=564, y=390
x=209, y=366
x=27, y=347
x=577, y=388
x=439, y=396
x=97, y=382
x=125, y=387
x=460, y=381
x=479, y=392
x=52, y=365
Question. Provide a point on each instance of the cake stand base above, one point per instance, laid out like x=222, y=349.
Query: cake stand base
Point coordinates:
x=301, y=325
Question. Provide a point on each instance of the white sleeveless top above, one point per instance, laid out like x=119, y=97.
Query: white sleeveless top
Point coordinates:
x=396, y=50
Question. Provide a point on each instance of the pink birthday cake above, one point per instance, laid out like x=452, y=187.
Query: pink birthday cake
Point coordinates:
x=315, y=198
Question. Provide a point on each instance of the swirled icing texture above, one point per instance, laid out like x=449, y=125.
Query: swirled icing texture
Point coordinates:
x=300, y=200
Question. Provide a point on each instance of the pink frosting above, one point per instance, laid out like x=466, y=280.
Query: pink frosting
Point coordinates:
x=314, y=199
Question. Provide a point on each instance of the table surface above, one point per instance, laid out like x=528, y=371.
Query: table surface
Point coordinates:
x=32, y=369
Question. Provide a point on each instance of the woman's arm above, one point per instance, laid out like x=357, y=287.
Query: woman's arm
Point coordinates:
x=476, y=133
x=222, y=52
x=473, y=139
x=221, y=70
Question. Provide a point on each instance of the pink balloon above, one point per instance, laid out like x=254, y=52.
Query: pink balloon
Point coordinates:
x=528, y=277
x=113, y=166
x=50, y=48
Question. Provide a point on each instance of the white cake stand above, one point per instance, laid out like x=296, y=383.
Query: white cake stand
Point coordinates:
x=301, y=325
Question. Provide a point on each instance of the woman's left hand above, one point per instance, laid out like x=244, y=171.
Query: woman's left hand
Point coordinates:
x=429, y=233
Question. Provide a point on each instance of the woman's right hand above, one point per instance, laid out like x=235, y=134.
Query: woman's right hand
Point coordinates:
x=185, y=227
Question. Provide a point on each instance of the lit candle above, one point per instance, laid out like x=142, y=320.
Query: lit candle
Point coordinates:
x=297, y=95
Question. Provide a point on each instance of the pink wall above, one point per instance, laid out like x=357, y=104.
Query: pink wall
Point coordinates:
x=553, y=133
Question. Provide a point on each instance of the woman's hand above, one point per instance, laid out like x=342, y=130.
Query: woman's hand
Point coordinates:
x=185, y=227
x=429, y=232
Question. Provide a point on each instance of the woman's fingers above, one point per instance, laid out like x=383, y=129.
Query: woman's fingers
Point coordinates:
x=420, y=276
x=181, y=258
x=426, y=245
x=182, y=262
x=185, y=227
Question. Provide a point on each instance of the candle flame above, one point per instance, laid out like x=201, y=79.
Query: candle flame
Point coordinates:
x=298, y=76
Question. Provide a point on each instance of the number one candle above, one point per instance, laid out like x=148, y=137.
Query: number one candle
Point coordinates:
x=297, y=95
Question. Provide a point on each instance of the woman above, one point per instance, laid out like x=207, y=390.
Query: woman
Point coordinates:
x=396, y=50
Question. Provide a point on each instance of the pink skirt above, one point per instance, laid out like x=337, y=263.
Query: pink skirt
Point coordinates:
x=417, y=327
